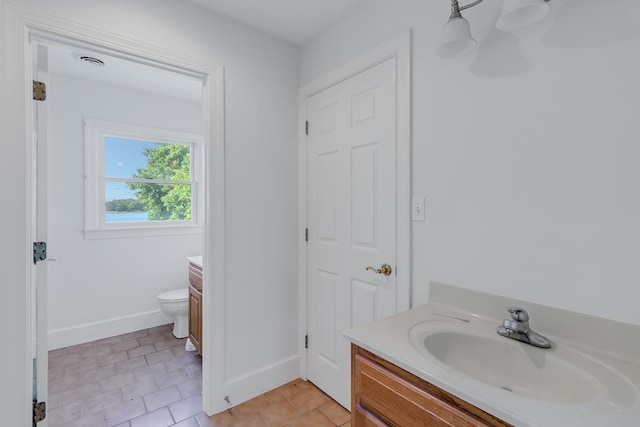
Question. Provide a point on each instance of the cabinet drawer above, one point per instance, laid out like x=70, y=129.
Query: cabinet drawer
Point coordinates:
x=366, y=419
x=400, y=403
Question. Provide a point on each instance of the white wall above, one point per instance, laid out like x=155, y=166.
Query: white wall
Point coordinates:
x=527, y=153
x=106, y=287
x=261, y=80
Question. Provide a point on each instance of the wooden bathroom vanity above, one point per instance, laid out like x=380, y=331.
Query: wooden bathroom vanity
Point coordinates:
x=195, y=304
x=382, y=394
x=445, y=363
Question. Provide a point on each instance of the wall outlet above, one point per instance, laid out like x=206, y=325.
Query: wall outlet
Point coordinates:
x=417, y=208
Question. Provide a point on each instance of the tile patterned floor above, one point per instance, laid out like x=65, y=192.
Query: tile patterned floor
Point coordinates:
x=147, y=379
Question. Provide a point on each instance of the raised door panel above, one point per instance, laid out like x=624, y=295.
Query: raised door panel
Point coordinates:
x=364, y=306
x=327, y=334
x=363, y=197
x=327, y=192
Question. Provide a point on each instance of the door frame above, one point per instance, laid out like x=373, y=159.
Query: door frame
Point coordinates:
x=40, y=226
x=400, y=48
x=20, y=25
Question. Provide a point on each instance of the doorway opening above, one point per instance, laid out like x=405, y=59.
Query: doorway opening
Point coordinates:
x=144, y=90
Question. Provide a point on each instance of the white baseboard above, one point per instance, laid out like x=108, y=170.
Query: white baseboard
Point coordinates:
x=255, y=383
x=65, y=337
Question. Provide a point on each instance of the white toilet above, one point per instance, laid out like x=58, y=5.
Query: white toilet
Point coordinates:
x=175, y=303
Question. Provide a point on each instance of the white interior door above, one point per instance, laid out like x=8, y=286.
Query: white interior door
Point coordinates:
x=40, y=221
x=351, y=217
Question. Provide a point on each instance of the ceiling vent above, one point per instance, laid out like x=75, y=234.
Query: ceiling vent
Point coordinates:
x=89, y=59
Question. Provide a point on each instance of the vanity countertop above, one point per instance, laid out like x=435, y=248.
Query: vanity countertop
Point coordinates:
x=610, y=348
x=197, y=260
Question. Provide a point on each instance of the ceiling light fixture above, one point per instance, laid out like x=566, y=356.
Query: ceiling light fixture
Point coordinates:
x=456, y=39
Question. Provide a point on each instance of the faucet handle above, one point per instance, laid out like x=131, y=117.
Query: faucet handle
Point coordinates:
x=518, y=314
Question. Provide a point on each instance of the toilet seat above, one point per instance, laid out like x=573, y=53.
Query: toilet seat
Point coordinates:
x=176, y=295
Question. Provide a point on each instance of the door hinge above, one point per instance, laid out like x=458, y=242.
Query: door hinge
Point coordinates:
x=39, y=91
x=39, y=251
x=306, y=341
x=39, y=411
x=306, y=127
x=306, y=234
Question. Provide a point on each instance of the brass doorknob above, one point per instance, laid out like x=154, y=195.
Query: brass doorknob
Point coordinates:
x=384, y=269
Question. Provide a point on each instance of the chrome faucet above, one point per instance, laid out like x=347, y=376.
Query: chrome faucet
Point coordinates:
x=518, y=329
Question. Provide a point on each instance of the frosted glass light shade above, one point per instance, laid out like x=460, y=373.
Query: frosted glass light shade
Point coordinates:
x=521, y=13
x=456, y=39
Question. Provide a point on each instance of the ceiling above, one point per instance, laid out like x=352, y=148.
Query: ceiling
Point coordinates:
x=123, y=73
x=296, y=21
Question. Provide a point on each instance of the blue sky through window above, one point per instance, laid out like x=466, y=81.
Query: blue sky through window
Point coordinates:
x=123, y=157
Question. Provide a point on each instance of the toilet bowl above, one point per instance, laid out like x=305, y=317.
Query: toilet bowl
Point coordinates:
x=175, y=303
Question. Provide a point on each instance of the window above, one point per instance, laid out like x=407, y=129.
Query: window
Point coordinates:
x=140, y=181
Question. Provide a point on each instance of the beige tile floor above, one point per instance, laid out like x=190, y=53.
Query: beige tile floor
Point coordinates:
x=147, y=379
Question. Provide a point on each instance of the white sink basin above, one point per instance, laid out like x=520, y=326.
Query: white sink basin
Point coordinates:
x=560, y=375
x=514, y=368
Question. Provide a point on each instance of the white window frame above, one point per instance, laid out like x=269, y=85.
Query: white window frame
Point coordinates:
x=96, y=226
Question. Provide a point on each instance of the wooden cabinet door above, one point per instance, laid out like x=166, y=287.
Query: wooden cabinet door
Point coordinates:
x=195, y=318
x=195, y=306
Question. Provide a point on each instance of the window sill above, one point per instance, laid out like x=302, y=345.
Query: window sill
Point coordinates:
x=127, y=232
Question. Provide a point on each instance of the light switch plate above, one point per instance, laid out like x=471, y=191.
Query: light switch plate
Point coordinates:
x=417, y=208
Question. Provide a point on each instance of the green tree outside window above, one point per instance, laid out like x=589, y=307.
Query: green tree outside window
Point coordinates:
x=169, y=162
